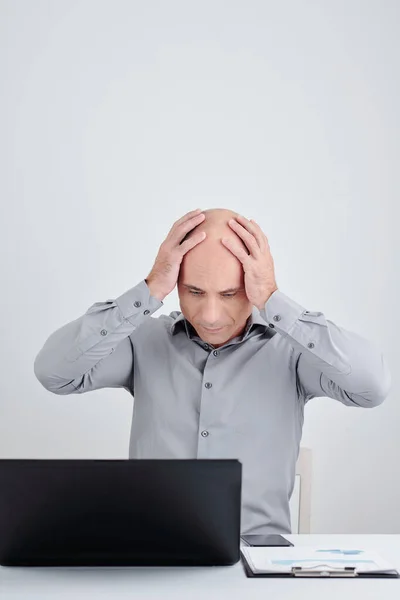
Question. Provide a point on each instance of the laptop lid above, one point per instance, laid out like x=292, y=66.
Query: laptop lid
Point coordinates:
x=99, y=512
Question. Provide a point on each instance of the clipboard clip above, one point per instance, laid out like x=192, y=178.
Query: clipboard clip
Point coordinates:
x=328, y=572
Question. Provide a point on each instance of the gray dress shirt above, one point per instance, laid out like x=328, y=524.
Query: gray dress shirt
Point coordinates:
x=243, y=400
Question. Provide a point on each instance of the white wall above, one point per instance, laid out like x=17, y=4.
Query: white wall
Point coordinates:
x=119, y=117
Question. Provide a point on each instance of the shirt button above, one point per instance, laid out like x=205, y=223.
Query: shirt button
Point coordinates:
x=103, y=332
x=310, y=345
x=215, y=352
x=137, y=303
x=208, y=385
x=271, y=325
x=206, y=346
x=277, y=317
x=204, y=433
x=146, y=312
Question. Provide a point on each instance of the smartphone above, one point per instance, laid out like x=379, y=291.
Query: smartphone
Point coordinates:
x=265, y=540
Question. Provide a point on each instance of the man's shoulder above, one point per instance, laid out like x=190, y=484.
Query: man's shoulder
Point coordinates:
x=171, y=317
x=158, y=323
x=168, y=319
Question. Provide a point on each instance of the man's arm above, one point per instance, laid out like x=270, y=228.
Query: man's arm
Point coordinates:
x=332, y=361
x=95, y=350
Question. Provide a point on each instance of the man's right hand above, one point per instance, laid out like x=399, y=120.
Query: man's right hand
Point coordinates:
x=164, y=274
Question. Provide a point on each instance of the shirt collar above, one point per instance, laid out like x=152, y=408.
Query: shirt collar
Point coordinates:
x=255, y=319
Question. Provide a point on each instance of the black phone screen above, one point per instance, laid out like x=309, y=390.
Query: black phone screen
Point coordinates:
x=266, y=540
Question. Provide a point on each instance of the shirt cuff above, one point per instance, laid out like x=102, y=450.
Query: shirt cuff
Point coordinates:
x=138, y=300
x=281, y=312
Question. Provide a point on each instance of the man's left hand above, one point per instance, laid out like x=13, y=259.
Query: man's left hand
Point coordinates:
x=258, y=265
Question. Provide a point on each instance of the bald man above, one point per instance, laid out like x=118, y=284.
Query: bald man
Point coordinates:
x=229, y=375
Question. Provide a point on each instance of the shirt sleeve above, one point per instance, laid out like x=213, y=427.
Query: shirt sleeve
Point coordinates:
x=331, y=361
x=95, y=351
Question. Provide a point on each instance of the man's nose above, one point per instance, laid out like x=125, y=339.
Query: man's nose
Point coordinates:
x=211, y=315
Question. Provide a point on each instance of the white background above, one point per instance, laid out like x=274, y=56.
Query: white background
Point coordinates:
x=119, y=117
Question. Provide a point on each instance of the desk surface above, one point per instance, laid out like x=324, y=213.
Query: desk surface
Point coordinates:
x=82, y=583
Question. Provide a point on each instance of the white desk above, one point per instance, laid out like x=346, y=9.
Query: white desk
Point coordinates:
x=195, y=583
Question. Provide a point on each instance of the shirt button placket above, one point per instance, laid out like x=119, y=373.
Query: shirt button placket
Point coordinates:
x=205, y=433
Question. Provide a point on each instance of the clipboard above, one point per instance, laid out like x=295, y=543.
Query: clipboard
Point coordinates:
x=349, y=572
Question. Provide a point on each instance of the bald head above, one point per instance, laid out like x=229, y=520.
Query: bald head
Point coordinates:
x=216, y=227
x=210, y=256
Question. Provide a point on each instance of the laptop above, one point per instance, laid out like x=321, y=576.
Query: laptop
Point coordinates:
x=116, y=512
